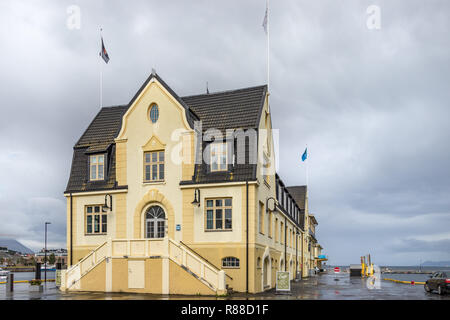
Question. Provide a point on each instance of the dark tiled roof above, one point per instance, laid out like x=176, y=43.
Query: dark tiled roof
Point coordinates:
x=299, y=195
x=98, y=137
x=104, y=128
x=232, y=109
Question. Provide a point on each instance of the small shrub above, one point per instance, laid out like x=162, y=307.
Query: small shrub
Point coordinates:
x=35, y=282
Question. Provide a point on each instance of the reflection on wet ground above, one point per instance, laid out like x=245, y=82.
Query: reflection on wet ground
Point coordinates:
x=322, y=287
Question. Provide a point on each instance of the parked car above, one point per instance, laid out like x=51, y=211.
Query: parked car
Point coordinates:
x=439, y=281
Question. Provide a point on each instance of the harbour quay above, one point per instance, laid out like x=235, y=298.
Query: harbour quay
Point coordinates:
x=325, y=286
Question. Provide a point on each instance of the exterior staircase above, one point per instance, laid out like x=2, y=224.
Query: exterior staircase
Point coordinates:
x=179, y=253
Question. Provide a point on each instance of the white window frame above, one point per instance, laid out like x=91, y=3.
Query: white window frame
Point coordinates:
x=231, y=263
x=215, y=149
x=96, y=165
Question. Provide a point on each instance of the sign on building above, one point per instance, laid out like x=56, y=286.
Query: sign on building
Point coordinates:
x=283, y=281
x=58, y=278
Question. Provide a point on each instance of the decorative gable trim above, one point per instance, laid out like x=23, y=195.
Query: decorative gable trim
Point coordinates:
x=153, y=144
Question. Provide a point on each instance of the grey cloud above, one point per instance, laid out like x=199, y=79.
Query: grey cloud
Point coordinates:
x=371, y=105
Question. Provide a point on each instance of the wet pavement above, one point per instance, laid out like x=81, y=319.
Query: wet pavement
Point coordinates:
x=322, y=287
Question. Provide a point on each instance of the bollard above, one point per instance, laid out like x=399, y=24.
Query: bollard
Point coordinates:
x=10, y=282
x=37, y=275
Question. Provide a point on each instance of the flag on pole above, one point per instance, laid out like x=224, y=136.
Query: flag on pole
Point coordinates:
x=305, y=155
x=266, y=17
x=103, y=53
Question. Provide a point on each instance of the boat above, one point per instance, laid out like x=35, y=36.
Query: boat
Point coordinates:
x=3, y=273
x=48, y=268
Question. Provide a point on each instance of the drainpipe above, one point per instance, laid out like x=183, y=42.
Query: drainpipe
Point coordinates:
x=301, y=248
x=285, y=248
x=71, y=213
x=296, y=253
x=246, y=263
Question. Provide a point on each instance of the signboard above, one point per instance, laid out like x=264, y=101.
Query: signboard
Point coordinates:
x=58, y=278
x=337, y=269
x=178, y=227
x=283, y=281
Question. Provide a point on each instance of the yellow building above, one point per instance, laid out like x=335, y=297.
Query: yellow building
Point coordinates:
x=178, y=195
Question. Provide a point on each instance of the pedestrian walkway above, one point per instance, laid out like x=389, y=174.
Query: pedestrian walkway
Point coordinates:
x=322, y=287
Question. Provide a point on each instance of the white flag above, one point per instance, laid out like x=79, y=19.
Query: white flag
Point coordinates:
x=265, y=20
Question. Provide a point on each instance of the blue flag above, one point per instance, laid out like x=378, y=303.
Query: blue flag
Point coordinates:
x=305, y=154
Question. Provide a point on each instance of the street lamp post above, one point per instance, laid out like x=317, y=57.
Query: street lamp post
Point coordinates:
x=45, y=254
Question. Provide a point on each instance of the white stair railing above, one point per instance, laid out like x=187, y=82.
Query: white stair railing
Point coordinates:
x=77, y=271
x=179, y=253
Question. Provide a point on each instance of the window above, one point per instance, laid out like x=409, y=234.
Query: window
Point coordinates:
x=218, y=214
x=97, y=167
x=155, y=222
x=270, y=225
x=230, y=262
x=154, y=113
x=281, y=232
x=218, y=157
x=96, y=220
x=261, y=218
x=153, y=166
x=276, y=231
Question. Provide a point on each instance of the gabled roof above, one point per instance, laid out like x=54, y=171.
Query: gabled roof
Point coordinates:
x=191, y=116
x=313, y=219
x=231, y=109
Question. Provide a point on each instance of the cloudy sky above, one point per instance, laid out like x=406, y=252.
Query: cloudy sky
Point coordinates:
x=372, y=105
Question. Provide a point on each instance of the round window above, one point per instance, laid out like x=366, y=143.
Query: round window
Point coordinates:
x=154, y=113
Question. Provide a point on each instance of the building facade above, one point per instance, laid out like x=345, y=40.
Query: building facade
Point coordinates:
x=178, y=195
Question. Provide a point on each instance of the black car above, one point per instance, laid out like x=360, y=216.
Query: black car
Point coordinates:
x=439, y=281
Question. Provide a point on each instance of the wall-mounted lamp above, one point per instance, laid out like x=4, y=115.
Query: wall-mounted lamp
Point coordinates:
x=105, y=208
x=274, y=204
x=196, y=201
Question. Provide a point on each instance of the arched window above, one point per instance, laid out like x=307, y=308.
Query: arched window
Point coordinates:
x=155, y=222
x=230, y=262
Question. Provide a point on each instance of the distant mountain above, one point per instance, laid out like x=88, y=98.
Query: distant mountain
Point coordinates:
x=436, y=264
x=15, y=245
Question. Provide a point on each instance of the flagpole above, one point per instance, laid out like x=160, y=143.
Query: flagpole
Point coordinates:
x=307, y=173
x=101, y=77
x=268, y=47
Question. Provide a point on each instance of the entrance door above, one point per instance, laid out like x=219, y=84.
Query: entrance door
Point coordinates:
x=155, y=222
x=266, y=272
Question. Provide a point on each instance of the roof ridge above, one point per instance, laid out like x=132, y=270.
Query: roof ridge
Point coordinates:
x=115, y=106
x=224, y=91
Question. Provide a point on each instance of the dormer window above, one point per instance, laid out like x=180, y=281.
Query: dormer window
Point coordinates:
x=97, y=167
x=218, y=157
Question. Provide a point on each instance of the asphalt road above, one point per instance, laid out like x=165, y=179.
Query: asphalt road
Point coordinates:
x=323, y=287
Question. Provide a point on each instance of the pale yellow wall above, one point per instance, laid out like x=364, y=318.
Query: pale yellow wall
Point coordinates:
x=121, y=163
x=153, y=276
x=183, y=283
x=95, y=280
x=136, y=132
